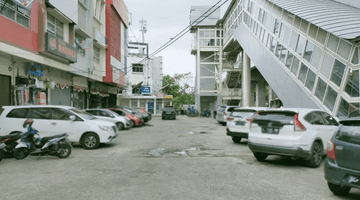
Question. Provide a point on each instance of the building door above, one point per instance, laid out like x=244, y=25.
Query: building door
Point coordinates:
x=61, y=96
x=4, y=91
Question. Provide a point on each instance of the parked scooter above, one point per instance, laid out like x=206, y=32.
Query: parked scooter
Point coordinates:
x=57, y=145
x=8, y=143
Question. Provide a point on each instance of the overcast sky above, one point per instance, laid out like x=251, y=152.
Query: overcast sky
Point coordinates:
x=165, y=19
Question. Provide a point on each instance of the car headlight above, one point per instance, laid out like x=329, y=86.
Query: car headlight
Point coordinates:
x=106, y=128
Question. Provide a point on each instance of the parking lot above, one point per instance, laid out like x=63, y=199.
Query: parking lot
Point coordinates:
x=186, y=158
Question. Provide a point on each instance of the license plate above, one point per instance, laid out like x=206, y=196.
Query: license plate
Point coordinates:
x=270, y=130
x=354, y=180
x=239, y=123
x=2, y=145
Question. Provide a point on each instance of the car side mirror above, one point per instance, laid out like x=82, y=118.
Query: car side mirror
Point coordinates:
x=72, y=117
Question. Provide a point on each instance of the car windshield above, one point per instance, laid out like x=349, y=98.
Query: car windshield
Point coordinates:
x=114, y=113
x=82, y=114
x=169, y=108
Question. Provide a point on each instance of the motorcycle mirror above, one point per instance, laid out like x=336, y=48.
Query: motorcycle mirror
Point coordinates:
x=72, y=118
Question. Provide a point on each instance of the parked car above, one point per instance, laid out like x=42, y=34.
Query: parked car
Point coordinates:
x=222, y=113
x=168, y=112
x=53, y=120
x=142, y=110
x=122, y=122
x=238, y=122
x=144, y=116
x=135, y=120
x=300, y=133
x=342, y=166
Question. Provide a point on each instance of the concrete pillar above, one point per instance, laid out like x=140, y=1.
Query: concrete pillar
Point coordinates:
x=270, y=95
x=246, y=80
x=260, y=93
x=155, y=107
x=198, y=61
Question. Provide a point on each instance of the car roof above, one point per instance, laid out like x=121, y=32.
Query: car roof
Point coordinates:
x=251, y=108
x=298, y=110
x=38, y=106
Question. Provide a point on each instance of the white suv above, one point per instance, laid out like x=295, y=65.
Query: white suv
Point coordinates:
x=299, y=133
x=121, y=122
x=238, y=122
x=53, y=120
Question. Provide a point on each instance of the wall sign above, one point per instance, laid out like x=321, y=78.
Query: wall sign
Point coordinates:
x=60, y=48
x=35, y=69
x=150, y=105
x=145, y=90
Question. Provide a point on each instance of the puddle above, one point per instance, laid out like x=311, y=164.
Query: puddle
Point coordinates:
x=203, y=132
x=157, y=152
x=183, y=153
x=189, y=132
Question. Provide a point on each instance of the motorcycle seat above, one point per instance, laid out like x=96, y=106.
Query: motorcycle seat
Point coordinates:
x=9, y=136
x=46, y=139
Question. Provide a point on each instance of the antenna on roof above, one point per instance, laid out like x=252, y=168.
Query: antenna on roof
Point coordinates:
x=143, y=28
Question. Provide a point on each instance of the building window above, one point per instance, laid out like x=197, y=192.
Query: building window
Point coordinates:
x=320, y=89
x=55, y=26
x=303, y=72
x=300, y=45
x=338, y=72
x=310, y=80
x=15, y=13
x=295, y=66
x=352, y=85
x=308, y=50
x=97, y=55
x=330, y=98
x=137, y=68
x=355, y=59
x=289, y=60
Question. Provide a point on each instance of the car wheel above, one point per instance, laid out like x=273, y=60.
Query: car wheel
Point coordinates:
x=132, y=123
x=316, y=155
x=260, y=156
x=90, y=141
x=338, y=189
x=64, y=151
x=120, y=126
x=21, y=153
x=236, y=139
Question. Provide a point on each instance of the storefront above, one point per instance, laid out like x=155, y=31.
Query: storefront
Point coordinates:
x=5, y=91
x=80, y=92
x=102, y=96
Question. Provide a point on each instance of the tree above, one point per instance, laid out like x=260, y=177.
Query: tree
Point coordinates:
x=178, y=86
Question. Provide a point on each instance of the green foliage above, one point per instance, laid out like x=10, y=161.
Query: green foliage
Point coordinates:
x=182, y=93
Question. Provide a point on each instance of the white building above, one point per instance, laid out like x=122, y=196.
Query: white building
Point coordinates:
x=144, y=80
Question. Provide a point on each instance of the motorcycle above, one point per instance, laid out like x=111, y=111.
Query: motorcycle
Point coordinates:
x=32, y=144
x=8, y=143
x=205, y=114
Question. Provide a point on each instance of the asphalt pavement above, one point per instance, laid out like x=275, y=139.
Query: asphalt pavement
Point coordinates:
x=186, y=158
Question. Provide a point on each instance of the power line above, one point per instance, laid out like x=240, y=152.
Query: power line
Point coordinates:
x=184, y=31
x=180, y=34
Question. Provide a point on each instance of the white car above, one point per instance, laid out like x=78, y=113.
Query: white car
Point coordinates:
x=300, y=133
x=238, y=122
x=121, y=122
x=222, y=113
x=52, y=120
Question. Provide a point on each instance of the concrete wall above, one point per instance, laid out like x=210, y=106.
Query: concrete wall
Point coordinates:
x=67, y=7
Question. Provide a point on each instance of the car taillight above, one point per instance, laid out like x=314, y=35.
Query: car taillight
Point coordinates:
x=330, y=150
x=298, y=126
x=230, y=118
x=252, y=119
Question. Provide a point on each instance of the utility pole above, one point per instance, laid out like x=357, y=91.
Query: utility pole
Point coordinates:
x=143, y=29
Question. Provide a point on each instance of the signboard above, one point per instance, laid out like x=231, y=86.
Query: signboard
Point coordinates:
x=169, y=97
x=35, y=69
x=150, y=105
x=160, y=95
x=145, y=90
x=60, y=48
